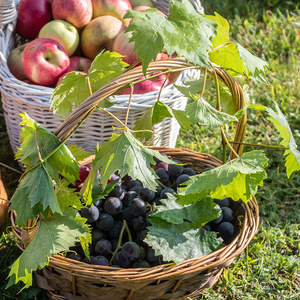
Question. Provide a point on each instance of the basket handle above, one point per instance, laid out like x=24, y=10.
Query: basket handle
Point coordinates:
x=78, y=115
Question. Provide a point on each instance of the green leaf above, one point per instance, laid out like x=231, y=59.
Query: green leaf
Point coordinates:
x=79, y=153
x=200, y=213
x=52, y=236
x=125, y=154
x=182, y=32
x=292, y=160
x=201, y=112
x=179, y=242
x=74, y=88
x=156, y=114
x=237, y=179
x=255, y=66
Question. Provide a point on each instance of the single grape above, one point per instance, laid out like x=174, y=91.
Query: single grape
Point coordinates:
x=227, y=214
x=83, y=173
x=138, y=223
x=147, y=195
x=98, y=203
x=141, y=264
x=162, y=165
x=151, y=258
x=99, y=260
x=117, y=192
x=120, y=260
x=207, y=169
x=114, y=177
x=181, y=179
x=127, y=215
x=156, y=201
x=75, y=256
x=142, y=253
x=97, y=235
x=137, y=207
x=90, y=213
x=189, y=171
x=128, y=197
x=222, y=202
x=218, y=220
x=105, y=222
x=148, y=216
x=226, y=230
x=88, y=260
x=141, y=235
x=132, y=183
x=136, y=188
x=159, y=188
x=163, y=175
x=163, y=194
x=103, y=247
x=131, y=250
x=207, y=227
x=116, y=230
x=175, y=170
x=112, y=205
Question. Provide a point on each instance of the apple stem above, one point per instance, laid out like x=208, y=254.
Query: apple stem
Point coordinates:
x=168, y=74
x=128, y=108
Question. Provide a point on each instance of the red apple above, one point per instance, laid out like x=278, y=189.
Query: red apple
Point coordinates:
x=32, y=16
x=64, y=74
x=79, y=63
x=77, y=12
x=100, y=34
x=115, y=8
x=14, y=62
x=147, y=86
x=44, y=60
x=125, y=48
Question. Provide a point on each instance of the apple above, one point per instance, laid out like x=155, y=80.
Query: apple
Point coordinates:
x=32, y=16
x=79, y=63
x=77, y=12
x=63, y=76
x=63, y=32
x=135, y=3
x=115, y=8
x=125, y=48
x=150, y=85
x=14, y=62
x=44, y=60
x=99, y=34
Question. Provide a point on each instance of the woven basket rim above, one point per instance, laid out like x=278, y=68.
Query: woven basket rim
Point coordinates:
x=190, y=266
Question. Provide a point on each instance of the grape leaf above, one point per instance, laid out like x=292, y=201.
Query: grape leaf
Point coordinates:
x=179, y=242
x=52, y=236
x=125, y=154
x=182, y=32
x=200, y=213
x=78, y=152
x=292, y=160
x=201, y=112
x=237, y=179
x=74, y=88
x=156, y=114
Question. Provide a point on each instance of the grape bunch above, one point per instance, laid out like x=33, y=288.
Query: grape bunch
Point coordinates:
x=119, y=221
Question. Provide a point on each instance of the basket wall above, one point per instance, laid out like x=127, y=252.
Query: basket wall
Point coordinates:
x=18, y=97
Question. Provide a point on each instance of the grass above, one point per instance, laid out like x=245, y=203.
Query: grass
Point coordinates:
x=270, y=266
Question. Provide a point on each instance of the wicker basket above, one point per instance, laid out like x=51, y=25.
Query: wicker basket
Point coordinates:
x=18, y=97
x=69, y=279
x=3, y=206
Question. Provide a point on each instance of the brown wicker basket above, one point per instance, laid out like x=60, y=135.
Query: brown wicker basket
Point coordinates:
x=3, y=206
x=69, y=279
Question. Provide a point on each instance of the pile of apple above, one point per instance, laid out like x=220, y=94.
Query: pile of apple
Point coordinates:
x=65, y=36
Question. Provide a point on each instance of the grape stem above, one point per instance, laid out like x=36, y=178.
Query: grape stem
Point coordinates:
x=261, y=145
x=162, y=86
x=226, y=142
x=37, y=145
x=204, y=83
x=128, y=108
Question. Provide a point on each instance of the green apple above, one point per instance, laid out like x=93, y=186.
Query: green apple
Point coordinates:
x=63, y=32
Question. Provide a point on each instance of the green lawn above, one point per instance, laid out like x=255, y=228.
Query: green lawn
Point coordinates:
x=270, y=266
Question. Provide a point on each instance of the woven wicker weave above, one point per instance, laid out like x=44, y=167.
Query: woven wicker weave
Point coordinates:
x=72, y=280
x=18, y=97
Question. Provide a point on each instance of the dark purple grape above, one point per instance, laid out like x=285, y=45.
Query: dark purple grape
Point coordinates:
x=128, y=197
x=98, y=203
x=88, y=261
x=141, y=235
x=139, y=264
x=127, y=215
x=175, y=170
x=148, y=216
x=163, y=175
x=116, y=230
x=90, y=213
x=83, y=173
x=97, y=235
x=207, y=227
x=207, y=169
x=227, y=214
x=218, y=220
x=162, y=165
x=105, y=222
x=120, y=260
x=147, y=195
x=103, y=247
x=163, y=194
x=156, y=201
x=131, y=250
x=132, y=183
x=114, y=244
x=99, y=260
x=136, y=188
x=112, y=205
x=222, y=202
x=117, y=192
x=137, y=207
x=189, y=171
x=138, y=223
x=75, y=256
x=181, y=179
x=226, y=230
x=151, y=258
x=159, y=188
x=142, y=253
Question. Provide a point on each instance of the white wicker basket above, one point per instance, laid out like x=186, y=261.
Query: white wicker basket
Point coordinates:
x=18, y=97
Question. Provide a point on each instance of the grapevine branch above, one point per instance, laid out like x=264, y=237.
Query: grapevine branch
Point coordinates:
x=204, y=83
x=37, y=145
x=261, y=145
x=158, y=98
x=128, y=108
